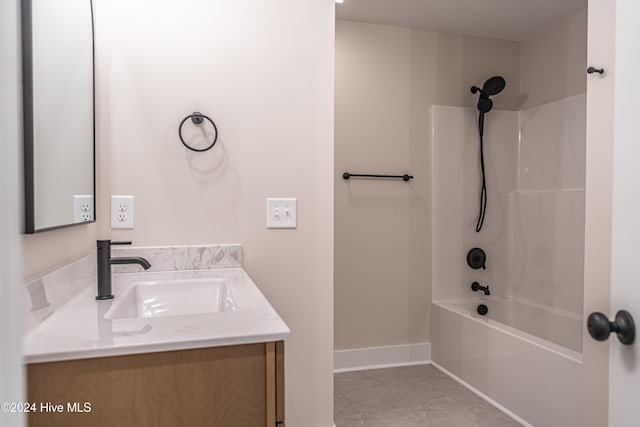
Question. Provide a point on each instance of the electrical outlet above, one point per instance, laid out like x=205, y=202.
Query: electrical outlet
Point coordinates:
x=82, y=208
x=122, y=212
x=282, y=213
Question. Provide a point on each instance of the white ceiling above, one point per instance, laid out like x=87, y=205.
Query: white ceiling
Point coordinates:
x=499, y=19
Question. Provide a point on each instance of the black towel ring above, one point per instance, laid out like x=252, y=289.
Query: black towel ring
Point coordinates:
x=197, y=119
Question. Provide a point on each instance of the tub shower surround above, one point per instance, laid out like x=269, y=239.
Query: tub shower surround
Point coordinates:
x=534, y=228
x=525, y=353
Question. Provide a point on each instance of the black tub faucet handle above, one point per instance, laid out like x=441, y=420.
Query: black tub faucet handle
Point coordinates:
x=477, y=258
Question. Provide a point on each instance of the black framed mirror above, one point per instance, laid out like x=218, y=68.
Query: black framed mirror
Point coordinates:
x=59, y=113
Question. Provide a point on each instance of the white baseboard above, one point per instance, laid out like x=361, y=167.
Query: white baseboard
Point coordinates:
x=482, y=395
x=381, y=357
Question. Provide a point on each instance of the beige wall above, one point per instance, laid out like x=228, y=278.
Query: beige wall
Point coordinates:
x=386, y=80
x=264, y=72
x=373, y=130
x=553, y=62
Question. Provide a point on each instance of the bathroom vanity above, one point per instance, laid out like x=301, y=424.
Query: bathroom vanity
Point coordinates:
x=241, y=385
x=193, y=343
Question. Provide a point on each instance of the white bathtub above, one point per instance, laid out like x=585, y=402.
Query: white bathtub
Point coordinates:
x=523, y=357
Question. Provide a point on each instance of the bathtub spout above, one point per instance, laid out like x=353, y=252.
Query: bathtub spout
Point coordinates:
x=475, y=287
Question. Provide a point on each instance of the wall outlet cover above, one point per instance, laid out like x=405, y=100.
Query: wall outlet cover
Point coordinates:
x=83, y=207
x=282, y=213
x=122, y=212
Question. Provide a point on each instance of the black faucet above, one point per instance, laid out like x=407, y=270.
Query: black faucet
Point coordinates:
x=104, y=266
x=475, y=287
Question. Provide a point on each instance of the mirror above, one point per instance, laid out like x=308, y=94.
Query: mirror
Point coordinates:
x=58, y=98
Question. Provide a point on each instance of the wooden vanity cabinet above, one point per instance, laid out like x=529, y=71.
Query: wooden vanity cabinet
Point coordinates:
x=233, y=386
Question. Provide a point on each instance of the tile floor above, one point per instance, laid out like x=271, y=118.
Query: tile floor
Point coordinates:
x=411, y=396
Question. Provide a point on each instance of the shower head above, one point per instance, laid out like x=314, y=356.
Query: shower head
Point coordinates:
x=492, y=86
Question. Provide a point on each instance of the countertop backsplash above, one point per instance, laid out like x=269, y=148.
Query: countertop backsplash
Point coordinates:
x=45, y=294
x=177, y=258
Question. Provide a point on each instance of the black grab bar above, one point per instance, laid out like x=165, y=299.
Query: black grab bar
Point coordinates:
x=348, y=175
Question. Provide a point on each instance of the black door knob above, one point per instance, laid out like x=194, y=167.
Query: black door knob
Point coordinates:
x=600, y=327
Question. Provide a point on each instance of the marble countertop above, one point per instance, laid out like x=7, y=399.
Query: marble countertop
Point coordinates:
x=79, y=330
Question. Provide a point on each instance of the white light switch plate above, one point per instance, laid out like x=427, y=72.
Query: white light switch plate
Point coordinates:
x=122, y=212
x=281, y=213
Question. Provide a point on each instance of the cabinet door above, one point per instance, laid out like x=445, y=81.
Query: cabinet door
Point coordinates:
x=218, y=387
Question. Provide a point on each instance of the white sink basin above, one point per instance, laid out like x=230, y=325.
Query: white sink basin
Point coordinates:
x=172, y=298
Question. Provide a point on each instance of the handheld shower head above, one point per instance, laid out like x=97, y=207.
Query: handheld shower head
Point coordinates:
x=484, y=105
x=492, y=86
